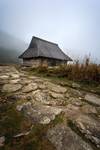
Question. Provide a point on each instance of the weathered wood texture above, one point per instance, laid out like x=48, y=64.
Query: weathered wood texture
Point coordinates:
x=36, y=62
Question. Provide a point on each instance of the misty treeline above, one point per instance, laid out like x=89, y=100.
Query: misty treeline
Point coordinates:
x=86, y=71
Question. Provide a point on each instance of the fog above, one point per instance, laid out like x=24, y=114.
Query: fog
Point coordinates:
x=73, y=24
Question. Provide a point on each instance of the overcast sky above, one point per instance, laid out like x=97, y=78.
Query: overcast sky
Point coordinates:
x=73, y=24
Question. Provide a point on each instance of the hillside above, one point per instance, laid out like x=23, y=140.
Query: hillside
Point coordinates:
x=8, y=56
x=10, y=48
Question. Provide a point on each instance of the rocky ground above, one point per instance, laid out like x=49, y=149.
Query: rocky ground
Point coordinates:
x=37, y=114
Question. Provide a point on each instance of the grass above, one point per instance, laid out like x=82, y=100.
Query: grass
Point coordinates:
x=35, y=140
x=84, y=72
x=58, y=119
x=87, y=74
x=13, y=122
x=93, y=87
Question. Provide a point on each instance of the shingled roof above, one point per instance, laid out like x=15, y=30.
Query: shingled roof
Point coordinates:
x=42, y=48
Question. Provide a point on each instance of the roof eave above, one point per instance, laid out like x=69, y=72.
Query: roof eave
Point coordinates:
x=70, y=59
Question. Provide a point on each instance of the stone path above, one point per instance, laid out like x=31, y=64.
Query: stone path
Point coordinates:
x=65, y=139
x=42, y=101
x=93, y=99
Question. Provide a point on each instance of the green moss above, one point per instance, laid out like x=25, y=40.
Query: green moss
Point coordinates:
x=13, y=123
x=35, y=140
x=58, y=119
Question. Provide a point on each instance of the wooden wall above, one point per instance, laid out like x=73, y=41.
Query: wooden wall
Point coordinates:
x=36, y=62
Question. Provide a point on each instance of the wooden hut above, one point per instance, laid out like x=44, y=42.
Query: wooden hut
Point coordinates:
x=43, y=53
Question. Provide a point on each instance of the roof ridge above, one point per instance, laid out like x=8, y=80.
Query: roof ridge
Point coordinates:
x=45, y=40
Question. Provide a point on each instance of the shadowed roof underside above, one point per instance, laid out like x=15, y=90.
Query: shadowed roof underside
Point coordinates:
x=42, y=48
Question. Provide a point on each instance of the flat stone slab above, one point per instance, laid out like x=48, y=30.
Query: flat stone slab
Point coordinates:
x=40, y=96
x=55, y=88
x=59, y=89
x=93, y=99
x=63, y=138
x=30, y=87
x=75, y=85
x=41, y=86
x=56, y=95
x=14, y=76
x=75, y=93
x=89, y=128
x=11, y=87
x=3, y=77
x=87, y=109
x=14, y=81
x=39, y=113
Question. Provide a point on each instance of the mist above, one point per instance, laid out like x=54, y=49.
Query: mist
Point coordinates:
x=73, y=24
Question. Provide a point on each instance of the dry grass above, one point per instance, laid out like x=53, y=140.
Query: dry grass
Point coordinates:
x=85, y=72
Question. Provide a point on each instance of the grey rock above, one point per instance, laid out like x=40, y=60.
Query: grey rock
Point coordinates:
x=42, y=97
x=93, y=99
x=24, y=105
x=14, y=81
x=56, y=95
x=78, y=103
x=88, y=109
x=25, y=81
x=39, y=113
x=11, y=87
x=2, y=141
x=59, y=89
x=89, y=127
x=55, y=88
x=64, y=138
x=67, y=95
x=42, y=86
x=19, y=107
x=45, y=120
x=3, y=77
x=71, y=110
x=75, y=93
x=30, y=87
x=75, y=85
x=14, y=76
